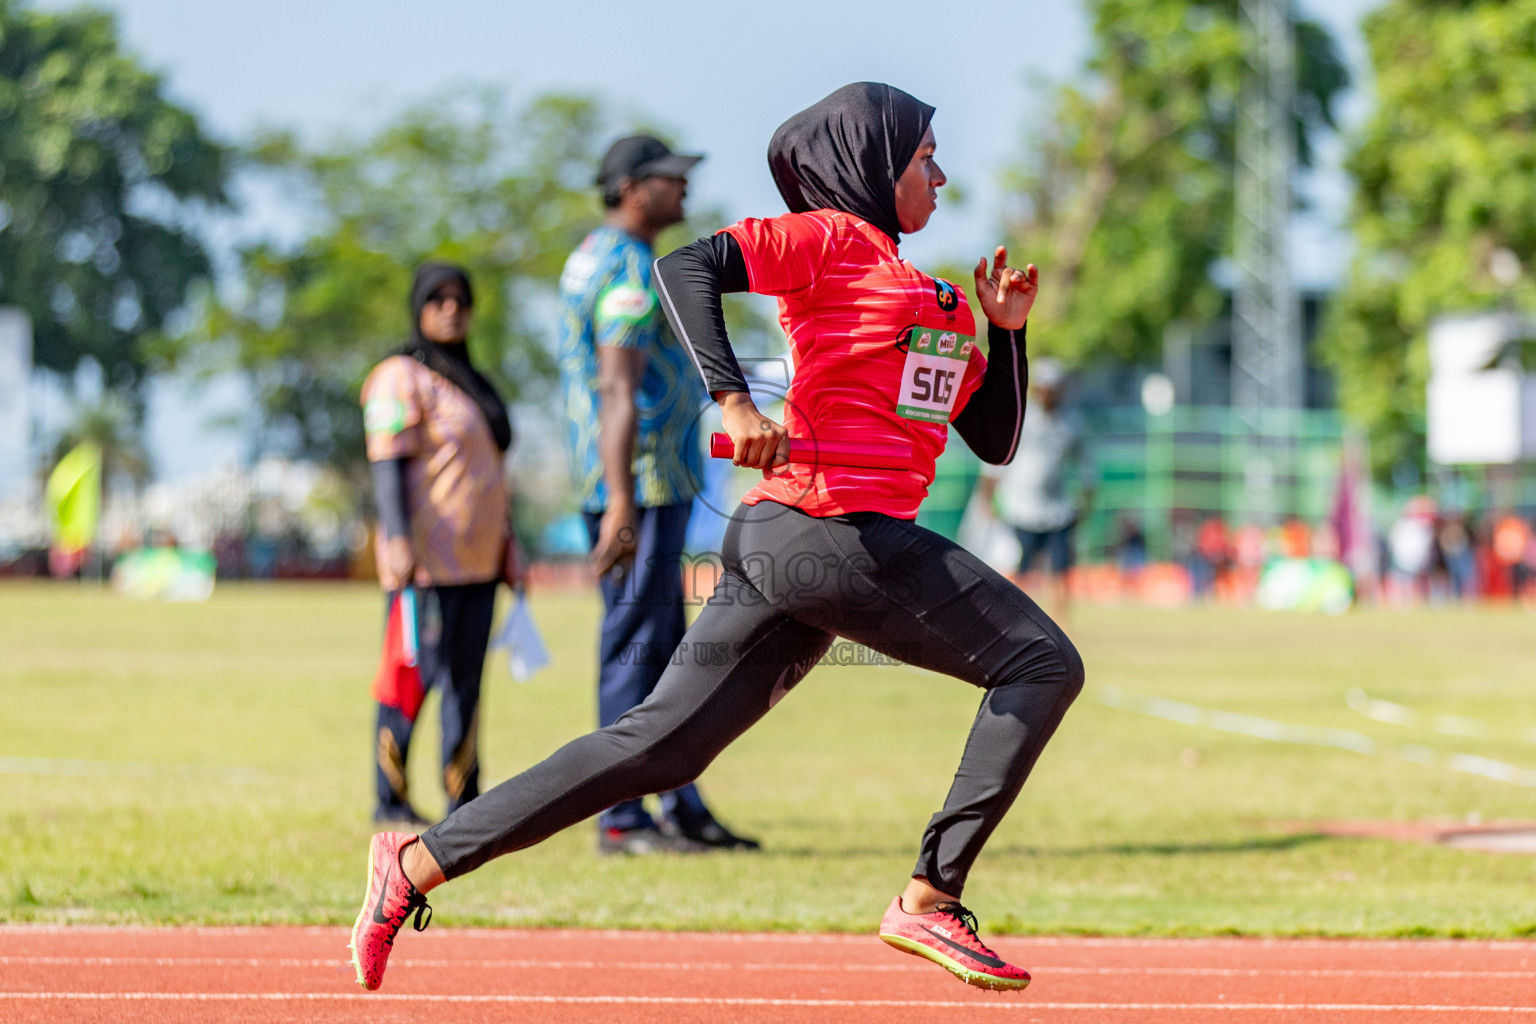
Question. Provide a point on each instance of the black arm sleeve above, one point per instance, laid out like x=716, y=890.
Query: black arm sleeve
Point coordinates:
x=690, y=282
x=991, y=420
x=389, y=493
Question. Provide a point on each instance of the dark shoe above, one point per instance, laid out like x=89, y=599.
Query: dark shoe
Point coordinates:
x=710, y=834
x=638, y=842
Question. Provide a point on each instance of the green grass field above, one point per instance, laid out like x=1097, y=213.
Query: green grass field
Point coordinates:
x=234, y=738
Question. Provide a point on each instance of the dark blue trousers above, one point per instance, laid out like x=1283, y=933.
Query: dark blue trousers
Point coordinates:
x=453, y=629
x=642, y=625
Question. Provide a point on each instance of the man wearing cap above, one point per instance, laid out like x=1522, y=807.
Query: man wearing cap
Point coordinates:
x=1030, y=493
x=633, y=397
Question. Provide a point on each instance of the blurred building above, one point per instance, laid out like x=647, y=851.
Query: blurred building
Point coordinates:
x=1197, y=359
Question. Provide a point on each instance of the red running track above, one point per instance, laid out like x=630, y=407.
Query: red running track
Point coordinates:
x=265, y=975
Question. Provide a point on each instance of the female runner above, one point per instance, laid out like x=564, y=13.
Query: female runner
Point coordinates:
x=882, y=353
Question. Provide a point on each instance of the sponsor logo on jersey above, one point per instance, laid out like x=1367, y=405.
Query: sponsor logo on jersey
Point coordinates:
x=924, y=341
x=625, y=302
x=947, y=342
x=948, y=300
x=384, y=415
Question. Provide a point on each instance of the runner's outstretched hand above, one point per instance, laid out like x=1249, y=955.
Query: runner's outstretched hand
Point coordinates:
x=1006, y=295
x=760, y=442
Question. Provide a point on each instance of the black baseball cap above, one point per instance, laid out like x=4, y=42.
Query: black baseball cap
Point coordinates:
x=642, y=156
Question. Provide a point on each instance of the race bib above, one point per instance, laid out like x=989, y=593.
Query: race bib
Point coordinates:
x=930, y=380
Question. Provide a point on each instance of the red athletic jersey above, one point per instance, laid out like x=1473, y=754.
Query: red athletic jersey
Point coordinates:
x=883, y=353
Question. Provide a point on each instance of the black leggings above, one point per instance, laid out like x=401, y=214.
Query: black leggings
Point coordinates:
x=791, y=584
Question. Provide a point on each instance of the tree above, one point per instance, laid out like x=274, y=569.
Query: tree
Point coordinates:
x=100, y=179
x=111, y=424
x=463, y=176
x=1126, y=202
x=1445, y=206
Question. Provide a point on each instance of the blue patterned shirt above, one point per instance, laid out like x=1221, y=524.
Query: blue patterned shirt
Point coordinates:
x=606, y=298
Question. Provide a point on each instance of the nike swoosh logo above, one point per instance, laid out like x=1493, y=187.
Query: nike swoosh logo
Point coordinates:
x=378, y=908
x=990, y=961
x=781, y=687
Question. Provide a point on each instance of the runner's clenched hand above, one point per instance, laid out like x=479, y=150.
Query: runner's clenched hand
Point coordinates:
x=760, y=442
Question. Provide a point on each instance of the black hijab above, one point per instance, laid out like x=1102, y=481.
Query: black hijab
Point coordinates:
x=451, y=361
x=846, y=152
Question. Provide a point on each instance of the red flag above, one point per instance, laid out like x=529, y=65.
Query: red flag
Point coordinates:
x=398, y=684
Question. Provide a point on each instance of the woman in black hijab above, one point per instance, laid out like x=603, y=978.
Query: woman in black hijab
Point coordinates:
x=848, y=151
x=883, y=353
x=436, y=433
x=447, y=353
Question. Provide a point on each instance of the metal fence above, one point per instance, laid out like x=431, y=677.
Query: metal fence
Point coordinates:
x=1195, y=462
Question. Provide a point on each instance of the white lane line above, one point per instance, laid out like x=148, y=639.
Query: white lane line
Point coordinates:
x=1022, y=1004
x=1400, y=714
x=449, y=935
x=1313, y=736
x=426, y=963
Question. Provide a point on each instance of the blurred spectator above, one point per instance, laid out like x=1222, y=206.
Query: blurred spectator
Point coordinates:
x=1411, y=541
x=633, y=397
x=1492, y=579
x=1250, y=550
x=1030, y=493
x=1182, y=525
x=229, y=556
x=1131, y=552
x=1527, y=588
x=1511, y=542
x=1295, y=539
x=1455, y=542
x=437, y=432
x=1210, y=557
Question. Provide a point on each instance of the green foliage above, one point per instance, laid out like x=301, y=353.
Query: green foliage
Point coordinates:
x=1446, y=178
x=464, y=176
x=99, y=177
x=461, y=177
x=1127, y=200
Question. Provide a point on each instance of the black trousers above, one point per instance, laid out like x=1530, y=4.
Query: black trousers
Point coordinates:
x=791, y=583
x=453, y=629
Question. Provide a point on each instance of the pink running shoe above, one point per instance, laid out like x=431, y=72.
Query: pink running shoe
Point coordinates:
x=387, y=904
x=948, y=938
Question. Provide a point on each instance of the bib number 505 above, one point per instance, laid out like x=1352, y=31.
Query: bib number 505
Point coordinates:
x=932, y=384
x=930, y=379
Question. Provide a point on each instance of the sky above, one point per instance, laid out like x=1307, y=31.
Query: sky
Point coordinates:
x=720, y=76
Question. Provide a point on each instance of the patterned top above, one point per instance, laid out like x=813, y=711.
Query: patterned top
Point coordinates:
x=455, y=488
x=883, y=353
x=607, y=299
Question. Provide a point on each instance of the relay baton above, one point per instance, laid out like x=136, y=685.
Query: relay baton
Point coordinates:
x=866, y=455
